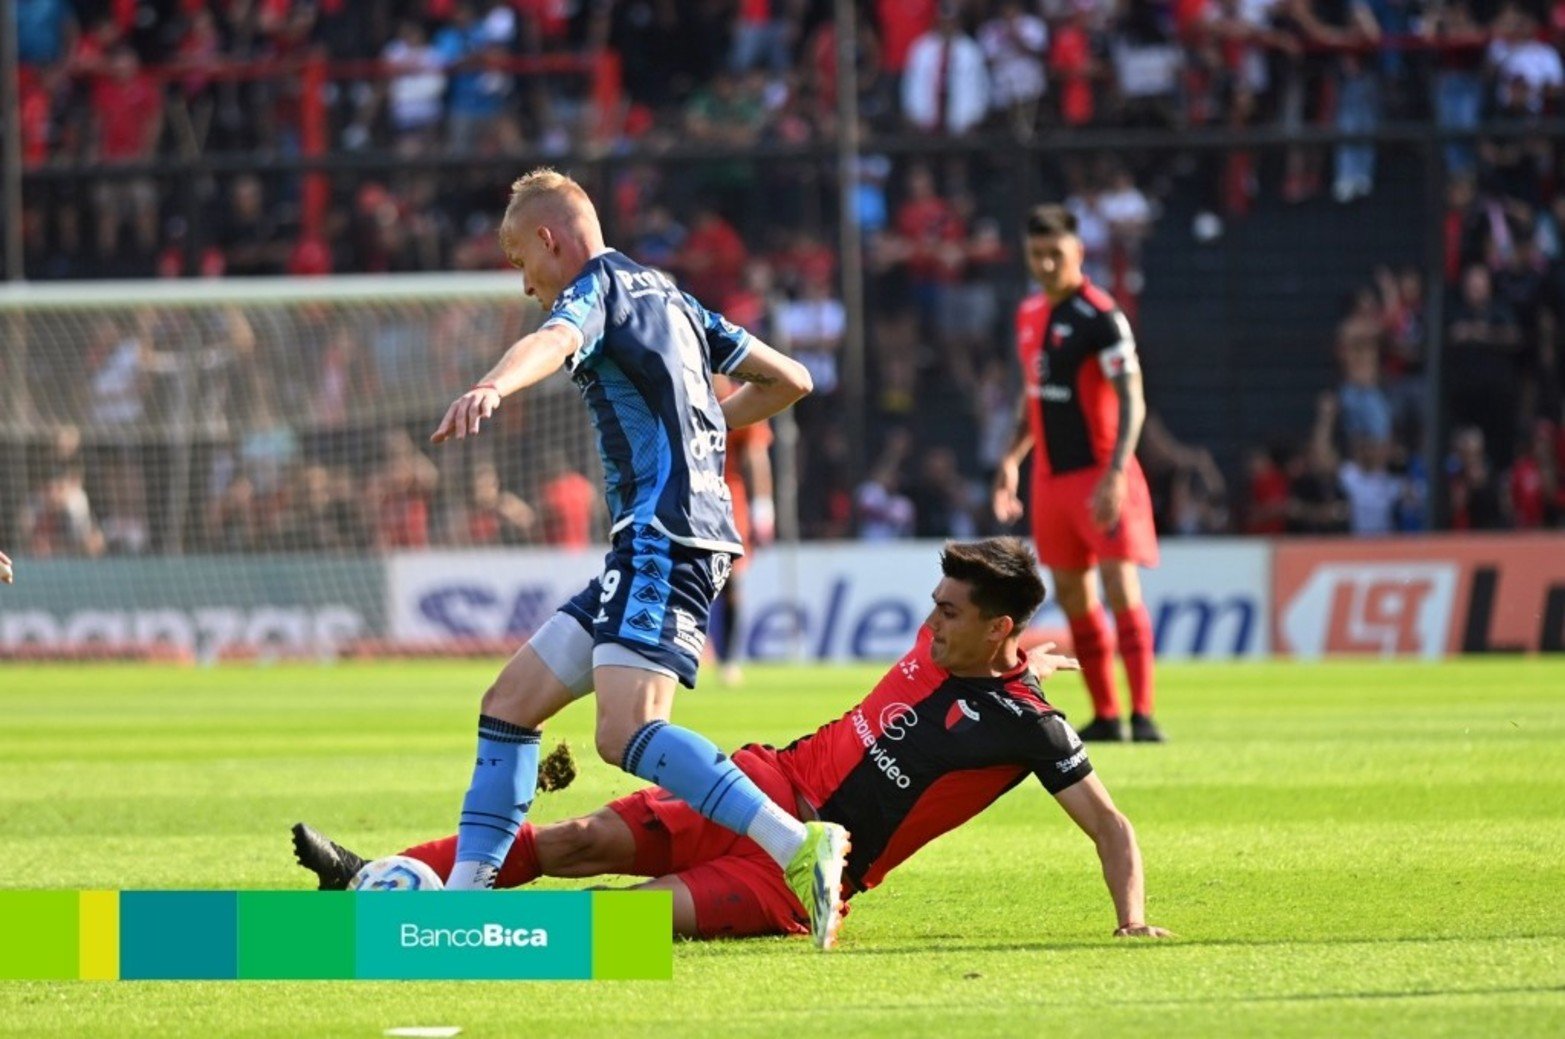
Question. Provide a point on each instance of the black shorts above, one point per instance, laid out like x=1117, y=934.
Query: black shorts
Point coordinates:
x=654, y=598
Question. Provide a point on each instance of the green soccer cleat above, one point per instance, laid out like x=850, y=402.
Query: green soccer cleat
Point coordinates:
x=815, y=875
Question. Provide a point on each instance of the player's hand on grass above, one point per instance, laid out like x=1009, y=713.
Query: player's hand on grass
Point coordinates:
x=1108, y=499
x=466, y=413
x=1045, y=662
x=1143, y=931
x=1007, y=505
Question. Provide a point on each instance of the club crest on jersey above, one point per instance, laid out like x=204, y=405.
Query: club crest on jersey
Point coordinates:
x=961, y=717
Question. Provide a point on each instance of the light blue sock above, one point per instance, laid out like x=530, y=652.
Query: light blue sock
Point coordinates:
x=689, y=766
x=505, y=777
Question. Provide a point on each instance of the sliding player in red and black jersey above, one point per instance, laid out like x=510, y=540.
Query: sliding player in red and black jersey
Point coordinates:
x=1080, y=416
x=951, y=726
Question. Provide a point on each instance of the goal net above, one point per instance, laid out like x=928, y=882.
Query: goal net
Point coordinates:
x=224, y=468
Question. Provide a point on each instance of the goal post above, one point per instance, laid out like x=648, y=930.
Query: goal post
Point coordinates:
x=195, y=464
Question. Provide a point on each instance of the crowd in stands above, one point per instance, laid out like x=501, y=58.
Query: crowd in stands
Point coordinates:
x=117, y=88
x=129, y=83
x=1361, y=469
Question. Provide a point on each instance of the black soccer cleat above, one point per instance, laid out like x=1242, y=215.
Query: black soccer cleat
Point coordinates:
x=333, y=864
x=1106, y=730
x=1144, y=730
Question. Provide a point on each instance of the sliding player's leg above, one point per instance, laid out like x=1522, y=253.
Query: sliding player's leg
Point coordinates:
x=587, y=846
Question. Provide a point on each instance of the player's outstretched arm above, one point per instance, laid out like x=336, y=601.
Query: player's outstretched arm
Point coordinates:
x=6, y=575
x=773, y=381
x=1007, y=478
x=1089, y=804
x=531, y=359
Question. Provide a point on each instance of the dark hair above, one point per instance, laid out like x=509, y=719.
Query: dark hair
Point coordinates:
x=1051, y=219
x=1003, y=575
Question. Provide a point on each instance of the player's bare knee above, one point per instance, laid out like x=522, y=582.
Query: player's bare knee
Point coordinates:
x=611, y=744
x=579, y=841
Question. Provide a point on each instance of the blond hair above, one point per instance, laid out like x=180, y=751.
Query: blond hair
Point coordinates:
x=549, y=186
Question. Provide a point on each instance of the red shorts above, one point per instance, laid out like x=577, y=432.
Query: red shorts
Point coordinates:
x=1063, y=530
x=738, y=889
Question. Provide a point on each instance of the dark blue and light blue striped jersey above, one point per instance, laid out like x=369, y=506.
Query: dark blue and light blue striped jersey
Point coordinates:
x=645, y=367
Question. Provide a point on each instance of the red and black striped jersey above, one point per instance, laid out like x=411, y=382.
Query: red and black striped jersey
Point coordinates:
x=1069, y=354
x=926, y=751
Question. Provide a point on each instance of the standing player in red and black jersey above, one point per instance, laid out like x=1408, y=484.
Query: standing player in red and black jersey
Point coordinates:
x=954, y=724
x=1082, y=409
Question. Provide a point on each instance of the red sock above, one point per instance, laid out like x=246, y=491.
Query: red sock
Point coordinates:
x=1135, y=648
x=521, y=863
x=1090, y=637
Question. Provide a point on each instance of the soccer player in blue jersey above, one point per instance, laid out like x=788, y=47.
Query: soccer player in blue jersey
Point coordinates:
x=642, y=353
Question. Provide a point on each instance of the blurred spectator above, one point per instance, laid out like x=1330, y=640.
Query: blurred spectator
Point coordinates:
x=472, y=50
x=946, y=504
x=1458, y=80
x=969, y=305
x=121, y=365
x=1147, y=63
x=1129, y=216
x=1365, y=412
x=1524, y=67
x=1535, y=496
x=931, y=241
x=1189, y=494
x=233, y=518
x=659, y=238
x=1016, y=44
x=763, y=32
x=901, y=24
x=125, y=526
x=490, y=515
x=570, y=501
x=945, y=87
x=712, y=260
x=812, y=329
x=415, y=92
x=1475, y=496
x=1372, y=491
x=127, y=113
x=247, y=230
x=1265, y=509
x=1402, y=310
x=323, y=518
x=57, y=519
x=1483, y=344
x=400, y=493
x=1073, y=63
x=1347, y=27
x=1316, y=502
x=884, y=512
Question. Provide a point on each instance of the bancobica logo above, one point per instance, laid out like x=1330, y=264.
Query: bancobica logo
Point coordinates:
x=487, y=936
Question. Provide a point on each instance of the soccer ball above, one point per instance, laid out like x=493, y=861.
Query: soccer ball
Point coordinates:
x=396, y=873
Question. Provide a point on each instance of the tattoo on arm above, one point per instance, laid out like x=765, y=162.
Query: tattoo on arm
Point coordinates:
x=1132, y=412
x=756, y=378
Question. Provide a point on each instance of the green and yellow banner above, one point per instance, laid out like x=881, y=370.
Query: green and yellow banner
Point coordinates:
x=285, y=935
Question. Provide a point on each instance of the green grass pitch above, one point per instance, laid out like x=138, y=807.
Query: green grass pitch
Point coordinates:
x=1345, y=849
